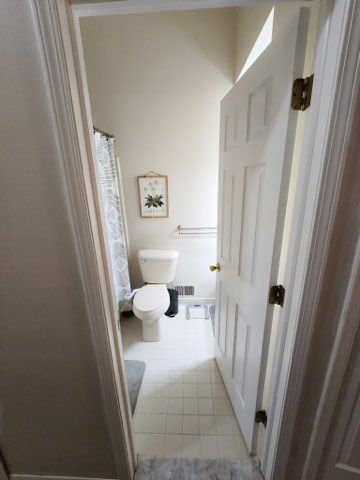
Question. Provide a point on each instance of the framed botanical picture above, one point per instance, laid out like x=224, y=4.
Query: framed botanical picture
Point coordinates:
x=153, y=195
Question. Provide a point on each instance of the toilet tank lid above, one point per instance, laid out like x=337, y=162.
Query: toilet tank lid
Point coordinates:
x=153, y=254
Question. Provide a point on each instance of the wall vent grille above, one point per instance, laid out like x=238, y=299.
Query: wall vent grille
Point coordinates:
x=185, y=290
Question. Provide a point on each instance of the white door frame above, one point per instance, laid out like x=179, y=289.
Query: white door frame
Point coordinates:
x=4, y=472
x=319, y=177
x=323, y=157
x=60, y=49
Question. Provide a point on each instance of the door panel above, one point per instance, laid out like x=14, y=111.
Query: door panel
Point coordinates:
x=341, y=460
x=251, y=217
x=257, y=129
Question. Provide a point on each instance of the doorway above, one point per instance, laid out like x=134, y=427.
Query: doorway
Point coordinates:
x=206, y=398
x=320, y=176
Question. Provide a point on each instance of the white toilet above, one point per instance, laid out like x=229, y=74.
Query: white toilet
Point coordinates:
x=158, y=268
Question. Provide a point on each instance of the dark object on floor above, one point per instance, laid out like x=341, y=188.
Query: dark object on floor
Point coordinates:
x=127, y=313
x=134, y=370
x=196, y=469
x=174, y=303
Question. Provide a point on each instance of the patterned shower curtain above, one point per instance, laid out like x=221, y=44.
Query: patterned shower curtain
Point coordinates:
x=111, y=200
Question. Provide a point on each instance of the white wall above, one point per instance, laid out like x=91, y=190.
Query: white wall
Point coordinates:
x=156, y=81
x=52, y=420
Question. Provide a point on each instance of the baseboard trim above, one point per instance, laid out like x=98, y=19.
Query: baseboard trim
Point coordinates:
x=190, y=300
x=53, y=477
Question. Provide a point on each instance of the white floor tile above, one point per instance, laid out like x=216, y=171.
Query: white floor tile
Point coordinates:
x=204, y=390
x=162, y=390
x=177, y=364
x=190, y=390
x=206, y=406
x=183, y=409
x=140, y=443
x=208, y=447
x=218, y=390
x=212, y=363
x=191, y=424
x=176, y=390
x=160, y=405
x=177, y=376
x=155, y=445
x=204, y=376
x=173, y=446
x=156, y=423
x=191, y=406
x=241, y=448
x=202, y=365
x=145, y=405
x=141, y=423
x=215, y=376
x=222, y=406
x=163, y=376
x=226, y=425
x=207, y=425
x=150, y=375
x=227, y=447
x=175, y=406
x=148, y=389
x=190, y=377
x=174, y=424
x=190, y=363
x=191, y=446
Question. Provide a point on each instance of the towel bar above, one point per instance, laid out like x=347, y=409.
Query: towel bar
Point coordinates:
x=196, y=230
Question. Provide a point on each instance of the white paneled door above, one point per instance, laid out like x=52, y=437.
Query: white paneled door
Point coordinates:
x=257, y=133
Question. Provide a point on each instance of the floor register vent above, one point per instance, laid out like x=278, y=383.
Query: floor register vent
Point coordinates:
x=185, y=290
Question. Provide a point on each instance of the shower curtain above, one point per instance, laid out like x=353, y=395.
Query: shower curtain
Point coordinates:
x=114, y=218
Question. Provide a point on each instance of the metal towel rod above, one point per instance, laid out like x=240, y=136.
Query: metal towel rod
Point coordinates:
x=196, y=230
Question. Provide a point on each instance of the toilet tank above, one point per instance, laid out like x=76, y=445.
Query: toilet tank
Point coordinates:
x=158, y=266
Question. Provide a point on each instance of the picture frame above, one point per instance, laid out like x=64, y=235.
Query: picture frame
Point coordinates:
x=153, y=195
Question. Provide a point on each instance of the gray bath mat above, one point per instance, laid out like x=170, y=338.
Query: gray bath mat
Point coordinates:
x=134, y=374
x=196, y=469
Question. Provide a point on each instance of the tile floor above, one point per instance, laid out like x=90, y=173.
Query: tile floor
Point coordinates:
x=183, y=409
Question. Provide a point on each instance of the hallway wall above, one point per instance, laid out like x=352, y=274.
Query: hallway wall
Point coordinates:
x=52, y=417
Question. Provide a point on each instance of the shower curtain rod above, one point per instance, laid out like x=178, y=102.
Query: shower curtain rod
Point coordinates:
x=107, y=135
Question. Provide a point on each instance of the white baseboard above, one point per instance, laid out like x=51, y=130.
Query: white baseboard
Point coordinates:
x=191, y=300
x=53, y=477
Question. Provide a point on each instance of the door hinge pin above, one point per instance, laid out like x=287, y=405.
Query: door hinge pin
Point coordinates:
x=277, y=295
x=301, y=93
x=261, y=417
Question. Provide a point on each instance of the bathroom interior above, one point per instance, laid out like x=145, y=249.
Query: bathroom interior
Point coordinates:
x=155, y=85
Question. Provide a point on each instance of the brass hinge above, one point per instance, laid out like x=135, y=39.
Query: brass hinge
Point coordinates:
x=277, y=295
x=301, y=93
x=261, y=417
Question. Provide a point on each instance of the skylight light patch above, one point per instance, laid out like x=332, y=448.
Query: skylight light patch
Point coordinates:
x=264, y=39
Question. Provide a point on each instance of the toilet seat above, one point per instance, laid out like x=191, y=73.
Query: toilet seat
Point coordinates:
x=151, y=301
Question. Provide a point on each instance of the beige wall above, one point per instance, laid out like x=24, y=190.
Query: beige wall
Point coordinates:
x=52, y=420
x=156, y=81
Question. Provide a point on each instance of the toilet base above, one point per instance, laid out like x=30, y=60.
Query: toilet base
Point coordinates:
x=152, y=331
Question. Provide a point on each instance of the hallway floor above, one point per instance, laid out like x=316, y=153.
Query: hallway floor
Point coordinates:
x=183, y=409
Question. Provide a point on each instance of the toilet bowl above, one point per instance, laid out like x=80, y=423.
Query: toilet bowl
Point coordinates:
x=150, y=303
x=152, y=300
